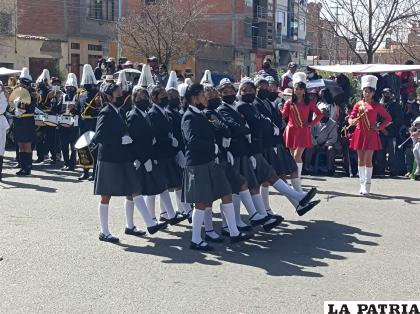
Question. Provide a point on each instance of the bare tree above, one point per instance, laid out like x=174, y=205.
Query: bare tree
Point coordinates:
x=163, y=28
x=367, y=21
x=407, y=37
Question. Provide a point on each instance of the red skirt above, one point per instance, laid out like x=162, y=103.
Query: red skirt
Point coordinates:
x=365, y=140
x=295, y=137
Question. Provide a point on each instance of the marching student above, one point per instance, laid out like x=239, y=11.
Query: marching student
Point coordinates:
x=4, y=126
x=89, y=106
x=24, y=121
x=262, y=127
x=366, y=139
x=116, y=175
x=69, y=134
x=297, y=134
x=204, y=179
x=239, y=171
x=275, y=152
x=172, y=111
x=165, y=146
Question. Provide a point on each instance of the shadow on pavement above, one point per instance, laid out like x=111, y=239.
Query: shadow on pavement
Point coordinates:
x=381, y=197
x=281, y=252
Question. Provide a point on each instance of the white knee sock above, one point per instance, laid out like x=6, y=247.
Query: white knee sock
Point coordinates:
x=297, y=184
x=129, y=213
x=259, y=205
x=144, y=211
x=229, y=213
x=103, y=218
x=265, y=194
x=151, y=204
x=246, y=198
x=165, y=199
x=208, y=223
x=197, y=221
x=299, y=165
x=180, y=206
x=286, y=190
x=224, y=224
x=237, y=206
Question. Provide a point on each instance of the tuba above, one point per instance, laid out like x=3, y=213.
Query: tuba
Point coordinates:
x=19, y=99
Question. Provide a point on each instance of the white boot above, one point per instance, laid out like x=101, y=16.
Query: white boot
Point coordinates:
x=362, y=178
x=368, y=179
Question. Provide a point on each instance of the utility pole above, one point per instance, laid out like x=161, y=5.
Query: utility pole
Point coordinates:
x=119, y=44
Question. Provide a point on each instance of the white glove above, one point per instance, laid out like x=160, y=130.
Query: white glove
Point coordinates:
x=16, y=102
x=154, y=141
x=248, y=137
x=267, y=118
x=226, y=142
x=148, y=165
x=216, y=160
x=230, y=158
x=276, y=131
x=18, y=112
x=155, y=162
x=253, y=162
x=216, y=149
x=126, y=139
x=137, y=164
x=275, y=150
x=180, y=159
x=174, y=142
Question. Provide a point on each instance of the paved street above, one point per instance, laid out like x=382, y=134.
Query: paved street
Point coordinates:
x=349, y=248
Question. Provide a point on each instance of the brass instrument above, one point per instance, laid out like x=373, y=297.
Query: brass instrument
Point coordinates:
x=413, y=133
x=95, y=103
x=24, y=99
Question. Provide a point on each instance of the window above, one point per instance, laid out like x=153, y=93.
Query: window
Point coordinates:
x=75, y=46
x=5, y=23
x=93, y=60
x=248, y=3
x=102, y=10
x=95, y=47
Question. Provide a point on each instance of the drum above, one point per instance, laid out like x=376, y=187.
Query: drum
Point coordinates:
x=83, y=146
x=66, y=121
x=51, y=120
x=39, y=119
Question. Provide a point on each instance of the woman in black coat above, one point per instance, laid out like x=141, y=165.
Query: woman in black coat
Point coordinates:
x=204, y=179
x=115, y=174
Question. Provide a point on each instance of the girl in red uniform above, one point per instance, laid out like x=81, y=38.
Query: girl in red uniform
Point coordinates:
x=297, y=135
x=366, y=136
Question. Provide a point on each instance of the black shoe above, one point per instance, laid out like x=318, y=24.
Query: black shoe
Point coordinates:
x=245, y=228
x=53, y=162
x=39, y=161
x=84, y=176
x=65, y=168
x=215, y=240
x=225, y=232
x=275, y=223
x=23, y=172
x=177, y=219
x=71, y=168
x=156, y=228
x=200, y=247
x=108, y=238
x=275, y=216
x=310, y=195
x=257, y=222
x=17, y=166
x=135, y=232
x=304, y=209
x=91, y=178
x=163, y=218
x=240, y=238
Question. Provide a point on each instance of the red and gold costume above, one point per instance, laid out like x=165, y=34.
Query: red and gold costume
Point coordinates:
x=297, y=134
x=365, y=137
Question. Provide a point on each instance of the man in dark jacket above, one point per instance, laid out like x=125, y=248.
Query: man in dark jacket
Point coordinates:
x=389, y=136
x=267, y=70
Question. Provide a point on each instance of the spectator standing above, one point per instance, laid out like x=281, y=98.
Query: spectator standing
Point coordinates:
x=267, y=70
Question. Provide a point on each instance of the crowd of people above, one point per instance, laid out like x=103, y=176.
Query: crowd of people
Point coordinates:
x=204, y=142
